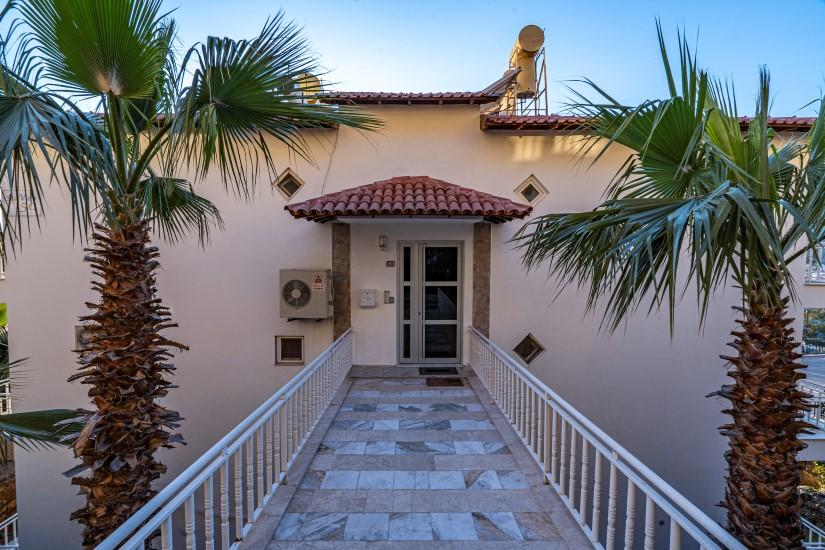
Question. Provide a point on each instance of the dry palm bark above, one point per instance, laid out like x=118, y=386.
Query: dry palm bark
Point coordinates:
x=126, y=362
x=761, y=495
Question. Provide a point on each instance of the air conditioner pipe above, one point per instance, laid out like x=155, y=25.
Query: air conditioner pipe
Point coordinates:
x=522, y=56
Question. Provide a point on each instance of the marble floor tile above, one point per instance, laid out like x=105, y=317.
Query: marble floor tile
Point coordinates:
x=312, y=480
x=385, y=425
x=311, y=526
x=446, y=480
x=496, y=526
x=352, y=425
x=376, y=479
x=469, y=447
x=410, y=526
x=340, y=479
x=453, y=526
x=351, y=448
x=537, y=526
x=379, y=500
x=474, y=462
x=380, y=448
x=512, y=479
x=301, y=501
x=471, y=425
x=349, y=500
x=367, y=526
x=411, y=408
x=401, y=501
x=424, y=425
x=495, y=448
x=447, y=407
x=403, y=480
x=387, y=407
x=481, y=480
x=424, y=447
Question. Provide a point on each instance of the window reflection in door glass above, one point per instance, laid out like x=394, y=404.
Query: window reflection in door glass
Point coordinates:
x=441, y=263
x=440, y=341
x=440, y=303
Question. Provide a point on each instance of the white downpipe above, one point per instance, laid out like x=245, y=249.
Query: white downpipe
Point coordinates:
x=491, y=363
x=213, y=473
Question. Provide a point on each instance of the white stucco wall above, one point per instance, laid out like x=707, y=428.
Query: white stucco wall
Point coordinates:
x=645, y=389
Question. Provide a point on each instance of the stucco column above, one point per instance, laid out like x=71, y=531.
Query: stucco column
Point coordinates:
x=342, y=302
x=481, y=277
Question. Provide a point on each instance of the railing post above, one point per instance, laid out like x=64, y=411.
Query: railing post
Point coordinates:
x=563, y=457
x=238, y=493
x=548, y=413
x=189, y=514
x=597, y=498
x=585, y=481
x=630, y=515
x=650, y=523
x=554, y=460
x=225, y=502
x=208, y=515
x=675, y=535
x=611, y=504
x=282, y=442
x=250, y=479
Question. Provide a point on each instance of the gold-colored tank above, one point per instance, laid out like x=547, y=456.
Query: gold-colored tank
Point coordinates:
x=529, y=42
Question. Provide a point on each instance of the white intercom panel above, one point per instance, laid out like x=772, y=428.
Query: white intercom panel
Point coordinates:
x=369, y=297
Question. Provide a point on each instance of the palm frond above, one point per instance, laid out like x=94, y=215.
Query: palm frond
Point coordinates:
x=40, y=429
x=42, y=140
x=93, y=48
x=629, y=251
x=246, y=91
x=177, y=210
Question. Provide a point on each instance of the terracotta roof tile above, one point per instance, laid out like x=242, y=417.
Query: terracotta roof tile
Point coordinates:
x=409, y=196
x=572, y=123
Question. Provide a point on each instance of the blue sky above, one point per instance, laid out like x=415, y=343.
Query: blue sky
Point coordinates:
x=424, y=45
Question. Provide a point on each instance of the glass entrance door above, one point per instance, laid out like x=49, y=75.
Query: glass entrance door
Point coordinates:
x=430, y=312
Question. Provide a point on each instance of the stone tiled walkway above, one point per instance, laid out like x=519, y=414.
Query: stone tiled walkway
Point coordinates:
x=395, y=463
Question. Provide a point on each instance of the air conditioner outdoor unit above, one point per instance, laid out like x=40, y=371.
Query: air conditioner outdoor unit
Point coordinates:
x=306, y=293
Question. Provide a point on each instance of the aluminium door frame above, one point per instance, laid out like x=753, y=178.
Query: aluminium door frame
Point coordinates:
x=417, y=285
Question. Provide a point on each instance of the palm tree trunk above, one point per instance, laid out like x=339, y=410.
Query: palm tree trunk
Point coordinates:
x=761, y=495
x=125, y=361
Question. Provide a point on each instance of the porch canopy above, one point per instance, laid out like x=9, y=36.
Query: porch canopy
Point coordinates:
x=409, y=196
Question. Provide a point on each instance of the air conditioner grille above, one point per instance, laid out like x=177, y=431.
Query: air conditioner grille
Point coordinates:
x=296, y=293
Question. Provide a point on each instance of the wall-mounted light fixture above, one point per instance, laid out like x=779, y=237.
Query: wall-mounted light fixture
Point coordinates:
x=383, y=242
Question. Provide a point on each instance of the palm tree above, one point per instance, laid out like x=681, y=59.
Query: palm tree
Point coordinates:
x=160, y=119
x=698, y=195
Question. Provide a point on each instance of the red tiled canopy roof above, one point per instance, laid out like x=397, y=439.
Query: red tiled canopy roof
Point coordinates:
x=409, y=196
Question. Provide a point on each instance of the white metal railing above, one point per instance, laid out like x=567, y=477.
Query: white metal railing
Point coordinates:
x=814, y=268
x=814, y=537
x=816, y=399
x=8, y=533
x=5, y=396
x=597, y=478
x=248, y=463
